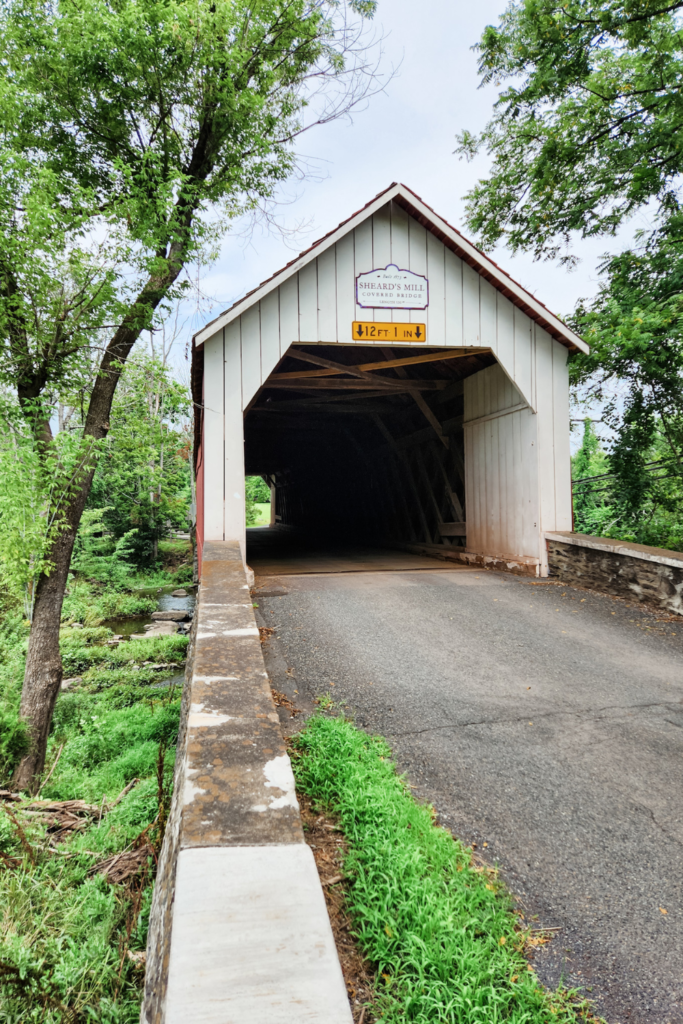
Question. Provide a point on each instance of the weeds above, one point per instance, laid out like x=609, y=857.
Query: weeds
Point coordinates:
x=75, y=901
x=439, y=928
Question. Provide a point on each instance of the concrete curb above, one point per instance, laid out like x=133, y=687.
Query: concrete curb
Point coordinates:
x=238, y=928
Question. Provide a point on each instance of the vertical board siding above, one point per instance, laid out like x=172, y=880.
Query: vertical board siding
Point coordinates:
x=563, y=472
x=531, y=538
x=317, y=305
x=500, y=469
x=470, y=306
x=362, y=262
x=453, y=298
x=249, y=325
x=523, y=371
x=308, y=302
x=488, y=333
x=346, y=288
x=381, y=239
x=517, y=467
x=270, y=333
x=400, y=252
x=505, y=349
x=212, y=445
x=234, y=437
x=327, y=296
x=546, y=440
x=417, y=236
x=436, y=273
x=289, y=313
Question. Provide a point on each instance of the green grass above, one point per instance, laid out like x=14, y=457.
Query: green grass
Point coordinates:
x=263, y=517
x=65, y=933
x=440, y=929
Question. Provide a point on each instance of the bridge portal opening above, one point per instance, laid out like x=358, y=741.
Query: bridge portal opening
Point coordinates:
x=363, y=447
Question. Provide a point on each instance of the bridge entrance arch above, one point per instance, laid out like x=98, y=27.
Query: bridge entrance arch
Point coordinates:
x=397, y=389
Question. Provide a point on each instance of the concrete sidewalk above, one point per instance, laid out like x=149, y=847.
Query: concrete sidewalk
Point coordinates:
x=546, y=725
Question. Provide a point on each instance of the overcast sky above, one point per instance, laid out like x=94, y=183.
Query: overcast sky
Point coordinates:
x=405, y=134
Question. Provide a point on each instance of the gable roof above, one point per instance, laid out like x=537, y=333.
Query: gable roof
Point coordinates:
x=441, y=229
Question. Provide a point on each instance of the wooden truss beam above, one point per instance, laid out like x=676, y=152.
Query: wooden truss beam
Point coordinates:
x=422, y=405
x=382, y=364
x=330, y=367
x=373, y=384
x=409, y=473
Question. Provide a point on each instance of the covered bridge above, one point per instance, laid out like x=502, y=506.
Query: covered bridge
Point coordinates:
x=397, y=389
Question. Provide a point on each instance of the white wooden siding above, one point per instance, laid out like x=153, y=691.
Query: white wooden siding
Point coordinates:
x=318, y=304
x=501, y=468
x=517, y=466
x=213, y=449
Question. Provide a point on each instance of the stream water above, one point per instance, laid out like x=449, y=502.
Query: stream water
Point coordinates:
x=126, y=627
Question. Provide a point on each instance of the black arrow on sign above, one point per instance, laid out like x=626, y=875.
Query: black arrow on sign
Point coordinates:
x=360, y=331
x=417, y=331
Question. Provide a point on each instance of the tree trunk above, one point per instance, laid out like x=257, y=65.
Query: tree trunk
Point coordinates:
x=43, y=675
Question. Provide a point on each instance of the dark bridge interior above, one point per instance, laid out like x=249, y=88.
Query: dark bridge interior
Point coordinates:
x=365, y=444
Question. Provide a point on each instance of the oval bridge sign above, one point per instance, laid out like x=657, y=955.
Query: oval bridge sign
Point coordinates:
x=392, y=288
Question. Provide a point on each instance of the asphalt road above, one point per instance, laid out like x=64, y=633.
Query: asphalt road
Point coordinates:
x=545, y=724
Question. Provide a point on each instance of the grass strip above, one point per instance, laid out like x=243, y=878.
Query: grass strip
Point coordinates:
x=440, y=929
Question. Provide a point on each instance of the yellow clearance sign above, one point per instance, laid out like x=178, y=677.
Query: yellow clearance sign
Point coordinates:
x=363, y=330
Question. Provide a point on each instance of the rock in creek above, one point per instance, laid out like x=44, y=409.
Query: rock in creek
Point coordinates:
x=171, y=616
x=179, y=593
x=157, y=629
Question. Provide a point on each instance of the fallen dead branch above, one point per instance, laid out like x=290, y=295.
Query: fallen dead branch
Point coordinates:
x=9, y=862
x=62, y=816
x=124, y=865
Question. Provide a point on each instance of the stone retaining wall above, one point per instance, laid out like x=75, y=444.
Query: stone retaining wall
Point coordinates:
x=239, y=929
x=635, y=571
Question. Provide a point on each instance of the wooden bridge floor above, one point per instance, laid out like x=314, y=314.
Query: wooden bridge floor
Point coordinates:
x=272, y=551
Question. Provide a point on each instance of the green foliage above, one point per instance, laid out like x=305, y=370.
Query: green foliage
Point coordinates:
x=13, y=735
x=635, y=329
x=130, y=135
x=635, y=496
x=257, y=489
x=33, y=497
x=142, y=484
x=590, y=459
x=586, y=130
x=439, y=929
x=14, y=740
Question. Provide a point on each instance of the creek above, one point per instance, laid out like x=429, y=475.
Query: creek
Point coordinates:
x=166, y=602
